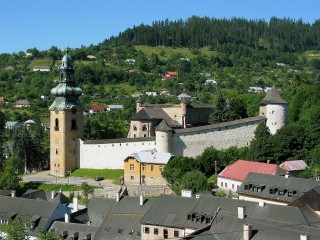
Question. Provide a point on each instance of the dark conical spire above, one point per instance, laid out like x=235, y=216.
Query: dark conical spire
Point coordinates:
x=272, y=97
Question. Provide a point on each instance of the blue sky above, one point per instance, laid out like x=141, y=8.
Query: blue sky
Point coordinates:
x=44, y=23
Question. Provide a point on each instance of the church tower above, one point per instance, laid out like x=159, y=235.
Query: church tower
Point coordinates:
x=66, y=121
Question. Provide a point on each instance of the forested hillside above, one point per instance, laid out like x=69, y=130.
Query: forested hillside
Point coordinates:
x=236, y=53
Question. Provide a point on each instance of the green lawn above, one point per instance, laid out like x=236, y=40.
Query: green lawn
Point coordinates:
x=113, y=174
x=49, y=186
x=40, y=62
x=125, y=86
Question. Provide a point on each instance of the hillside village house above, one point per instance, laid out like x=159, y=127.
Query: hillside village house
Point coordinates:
x=293, y=167
x=114, y=107
x=41, y=69
x=233, y=175
x=145, y=168
x=170, y=75
x=97, y=108
x=22, y=104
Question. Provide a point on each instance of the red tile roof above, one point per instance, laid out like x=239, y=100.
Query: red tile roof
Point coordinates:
x=240, y=169
x=97, y=107
x=172, y=73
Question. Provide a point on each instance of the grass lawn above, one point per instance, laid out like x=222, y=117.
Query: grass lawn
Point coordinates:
x=113, y=174
x=41, y=62
x=125, y=86
x=56, y=187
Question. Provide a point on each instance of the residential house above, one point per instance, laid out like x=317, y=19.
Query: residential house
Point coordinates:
x=153, y=94
x=22, y=104
x=255, y=89
x=45, y=98
x=114, y=107
x=185, y=97
x=91, y=57
x=2, y=101
x=11, y=125
x=294, y=167
x=41, y=69
x=209, y=217
x=29, y=123
x=164, y=91
x=233, y=175
x=273, y=189
x=145, y=167
x=170, y=75
x=211, y=82
x=40, y=213
x=130, y=61
x=311, y=198
x=97, y=108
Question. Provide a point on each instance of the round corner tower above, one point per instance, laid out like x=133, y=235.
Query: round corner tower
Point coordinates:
x=163, y=137
x=275, y=109
x=66, y=121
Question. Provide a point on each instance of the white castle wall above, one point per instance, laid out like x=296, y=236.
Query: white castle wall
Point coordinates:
x=277, y=116
x=111, y=153
x=220, y=136
x=99, y=154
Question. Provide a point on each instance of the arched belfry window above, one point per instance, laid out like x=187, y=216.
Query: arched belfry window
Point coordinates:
x=73, y=124
x=134, y=128
x=56, y=125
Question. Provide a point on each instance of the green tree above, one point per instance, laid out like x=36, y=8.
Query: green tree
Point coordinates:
x=86, y=189
x=49, y=235
x=260, y=148
x=206, y=161
x=2, y=140
x=9, y=179
x=16, y=229
x=194, y=180
x=220, y=112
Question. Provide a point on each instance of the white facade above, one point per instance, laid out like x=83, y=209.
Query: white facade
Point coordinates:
x=228, y=184
x=277, y=115
x=101, y=154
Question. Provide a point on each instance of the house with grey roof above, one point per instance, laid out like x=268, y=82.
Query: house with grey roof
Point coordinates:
x=146, y=167
x=13, y=125
x=40, y=213
x=311, y=198
x=274, y=189
x=209, y=217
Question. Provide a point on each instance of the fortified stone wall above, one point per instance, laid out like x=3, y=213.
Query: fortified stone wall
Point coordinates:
x=110, y=153
x=192, y=142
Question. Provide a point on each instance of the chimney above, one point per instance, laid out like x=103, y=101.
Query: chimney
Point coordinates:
x=262, y=203
x=304, y=237
x=118, y=197
x=247, y=229
x=268, y=161
x=141, y=200
x=13, y=193
x=241, y=212
x=52, y=194
x=286, y=176
x=75, y=205
x=66, y=218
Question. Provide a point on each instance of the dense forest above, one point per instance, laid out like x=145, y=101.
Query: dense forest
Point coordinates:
x=236, y=53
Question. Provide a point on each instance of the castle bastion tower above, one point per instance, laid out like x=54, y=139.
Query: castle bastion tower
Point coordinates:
x=66, y=121
x=275, y=109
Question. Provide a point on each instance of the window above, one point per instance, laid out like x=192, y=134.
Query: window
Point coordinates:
x=131, y=177
x=152, y=168
x=56, y=126
x=232, y=186
x=134, y=135
x=225, y=184
x=143, y=167
x=131, y=167
x=144, y=135
x=160, y=168
x=281, y=192
x=221, y=184
x=176, y=233
x=289, y=194
x=144, y=128
x=165, y=233
x=56, y=151
x=156, y=231
x=146, y=230
x=73, y=124
x=246, y=187
x=134, y=128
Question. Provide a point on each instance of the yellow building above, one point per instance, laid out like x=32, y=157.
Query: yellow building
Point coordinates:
x=66, y=121
x=146, y=167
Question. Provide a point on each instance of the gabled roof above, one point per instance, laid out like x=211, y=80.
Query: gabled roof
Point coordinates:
x=45, y=195
x=241, y=168
x=22, y=102
x=28, y=209
x=293, y=165
x=151, y=156
x=297, y=187
x=97, y=107
x=155, y=113
x=272, y=97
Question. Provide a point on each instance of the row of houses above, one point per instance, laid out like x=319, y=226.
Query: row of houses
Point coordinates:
x=167, y=217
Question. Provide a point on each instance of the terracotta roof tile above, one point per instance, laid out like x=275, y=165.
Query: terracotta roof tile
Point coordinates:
x=240, y=169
